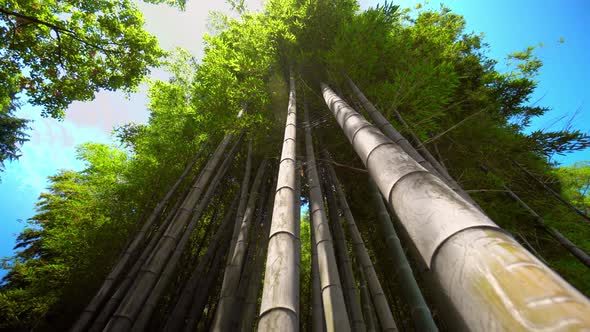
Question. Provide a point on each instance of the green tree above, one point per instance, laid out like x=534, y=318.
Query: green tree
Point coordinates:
x=70, y=236
x=57, y=52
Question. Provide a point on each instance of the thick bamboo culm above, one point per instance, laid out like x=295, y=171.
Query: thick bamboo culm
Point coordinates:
x=279, y=308
x=421, y=155
x=335, y=312
x=487, y=279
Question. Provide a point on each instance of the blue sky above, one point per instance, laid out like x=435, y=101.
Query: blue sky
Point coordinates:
x=508, y=25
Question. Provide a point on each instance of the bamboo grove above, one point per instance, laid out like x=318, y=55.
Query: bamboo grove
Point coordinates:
x=425, y=205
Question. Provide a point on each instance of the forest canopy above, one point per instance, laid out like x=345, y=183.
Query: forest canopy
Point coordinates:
x=428, y=76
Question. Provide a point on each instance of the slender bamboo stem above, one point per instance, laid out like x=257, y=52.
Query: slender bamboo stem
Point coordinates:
x=368, y=310
x=114, y=301
x=244, y=190
x=233, y=271
x=318, y=320
x=554, y=193
x=253, y=287
x=382, y=306
x=106, y=288
x=335, y=313
x=582, y=256
x=351, y=294
x=421, y=316
x=218, y=248
x=156, y=292
x=126, y=313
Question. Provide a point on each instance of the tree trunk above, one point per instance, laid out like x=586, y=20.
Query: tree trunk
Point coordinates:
x=368, y=311
x=243, y=200
x=382, y=307
x=249, y=276
x=176, y=319
x=197, y=299
x=280, y=296
x=318, y=320
x=90, y=311
x=487, y=278
x=167, y=273
x=233, y=271
x=113, y=302
x=351, y=294
x=127, y=311
x=421, y=154
x=333, y=299
x=248, y=314
x=555, y=194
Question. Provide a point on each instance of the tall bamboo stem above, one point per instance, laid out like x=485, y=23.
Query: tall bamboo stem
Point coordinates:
x=280, y=297
x=105, y=289
x=351, y=294
x=130, y=306
x=420, y=154
x=335, y=312
x=156, y=292
x=487, y=279
x=218, y=248
x=233, y=272
x=554, y=193
x=382, y=306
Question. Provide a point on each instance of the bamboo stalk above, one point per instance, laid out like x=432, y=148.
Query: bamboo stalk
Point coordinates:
x=280, y=296
x=105, y=289
x=253, y=287
x=487, y=280
x=335, y=313
x=420, y=153
x=233, y=271
x=243, y=200
x=582, y=256
x=420, y=313
x=130, y=306
x=554, y=193
x=318, y=320
x=198, y=299
x=114, y=301
x=156, y=292
x=368, y=310
x=382, y=306
x=351, y=294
